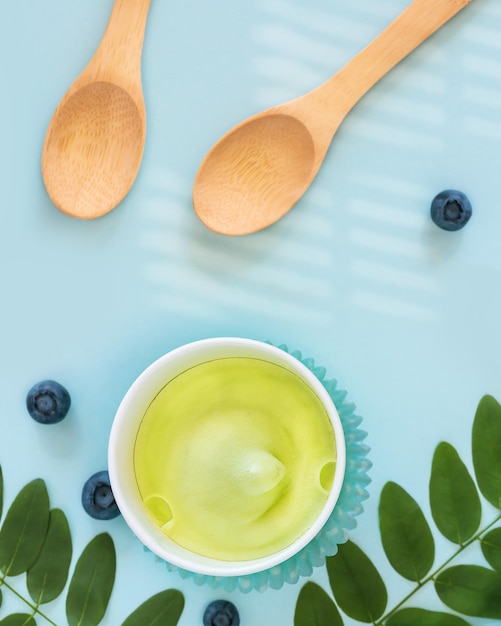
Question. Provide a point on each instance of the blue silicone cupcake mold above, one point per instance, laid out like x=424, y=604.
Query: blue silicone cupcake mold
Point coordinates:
x=341, y=520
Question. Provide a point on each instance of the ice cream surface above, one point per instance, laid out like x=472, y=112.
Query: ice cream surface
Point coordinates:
x=234, y=458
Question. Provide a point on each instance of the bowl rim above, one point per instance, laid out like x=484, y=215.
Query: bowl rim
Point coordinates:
x=130, y=413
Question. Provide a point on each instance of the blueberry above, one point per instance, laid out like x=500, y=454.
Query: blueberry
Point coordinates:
x=97, y=497
x=48, y=402
x=450, y=209
x=221, y=613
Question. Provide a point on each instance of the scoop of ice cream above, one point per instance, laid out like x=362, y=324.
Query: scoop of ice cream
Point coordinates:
x=259, y=472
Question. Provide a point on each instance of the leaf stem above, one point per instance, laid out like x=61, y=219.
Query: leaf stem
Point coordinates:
x=36, y=610
x=435, y=573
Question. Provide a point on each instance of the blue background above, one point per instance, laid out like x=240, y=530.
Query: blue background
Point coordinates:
x=404, y=315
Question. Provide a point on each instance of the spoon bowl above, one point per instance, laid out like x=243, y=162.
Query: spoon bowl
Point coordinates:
x=267, y=163
x=258, y=171
x=95, y=141
x=82, y=173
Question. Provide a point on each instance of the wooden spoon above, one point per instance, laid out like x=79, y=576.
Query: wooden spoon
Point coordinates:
x=255, y=173
x=95, y=140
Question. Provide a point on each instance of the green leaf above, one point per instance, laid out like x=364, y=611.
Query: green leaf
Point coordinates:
x=315, y=608
x=356, y=584
x=471, y=590
x=92, y=583
x=486, y=446
x=454, y=500
x=422, y=617
x=47, y=577
x=405, y=533
x=24, y=529
x=491, y=548
x=18, y=619
x=162, y=609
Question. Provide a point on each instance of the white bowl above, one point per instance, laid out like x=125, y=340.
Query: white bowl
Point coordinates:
x=123, y=437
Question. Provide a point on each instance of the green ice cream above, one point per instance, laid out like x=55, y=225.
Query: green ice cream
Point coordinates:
x=234, y=458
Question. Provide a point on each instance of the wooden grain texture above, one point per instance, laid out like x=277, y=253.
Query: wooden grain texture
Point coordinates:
x=95, y=141
x=256, y=173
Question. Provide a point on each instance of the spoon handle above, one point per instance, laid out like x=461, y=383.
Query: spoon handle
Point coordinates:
x=413, y=26
x=118, y=57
